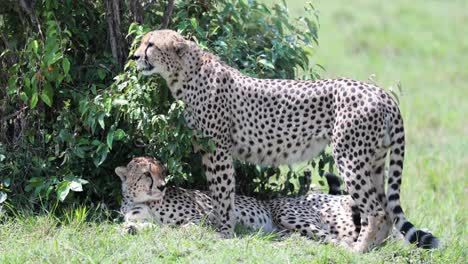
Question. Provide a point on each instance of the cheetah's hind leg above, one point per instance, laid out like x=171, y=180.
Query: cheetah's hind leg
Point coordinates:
x=365, y=197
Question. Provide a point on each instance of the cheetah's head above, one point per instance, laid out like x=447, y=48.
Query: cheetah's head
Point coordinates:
x=161, y=52
x=143, y=180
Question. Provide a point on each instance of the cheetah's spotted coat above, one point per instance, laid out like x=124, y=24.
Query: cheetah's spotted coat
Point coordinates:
x=327, y=218
x=273, y=121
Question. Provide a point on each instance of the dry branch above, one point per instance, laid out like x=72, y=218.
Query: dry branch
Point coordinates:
x=28, y=7
x=166, y=20
x=117, y=42
x=137, y=11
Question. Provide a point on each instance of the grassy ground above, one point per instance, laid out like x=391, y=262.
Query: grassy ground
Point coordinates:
x=424, y=45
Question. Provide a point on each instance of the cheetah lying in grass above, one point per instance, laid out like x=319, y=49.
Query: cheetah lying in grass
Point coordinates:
x=146, y=200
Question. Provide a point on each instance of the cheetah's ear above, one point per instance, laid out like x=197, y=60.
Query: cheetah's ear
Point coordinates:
x=121, y=172
x=180, y=47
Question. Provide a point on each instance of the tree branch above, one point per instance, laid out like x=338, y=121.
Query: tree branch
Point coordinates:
x=113, y=10
x=137, y=11
x=5, y=41
x=167, y=14
x=13, y=115
x=28, y=8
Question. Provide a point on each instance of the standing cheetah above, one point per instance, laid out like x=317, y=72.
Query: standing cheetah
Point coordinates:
x=273, y=122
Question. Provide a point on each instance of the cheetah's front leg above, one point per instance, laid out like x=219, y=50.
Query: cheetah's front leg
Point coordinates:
x=220, y=175
x=139, y=217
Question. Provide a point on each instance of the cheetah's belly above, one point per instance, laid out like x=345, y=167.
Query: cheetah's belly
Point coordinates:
x=272, y=153
x=280, y=122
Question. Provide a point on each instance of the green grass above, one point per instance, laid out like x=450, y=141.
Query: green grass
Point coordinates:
x=44, y=239
x=422, y=44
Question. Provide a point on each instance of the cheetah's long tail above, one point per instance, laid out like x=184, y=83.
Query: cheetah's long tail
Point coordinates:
x=412, y=234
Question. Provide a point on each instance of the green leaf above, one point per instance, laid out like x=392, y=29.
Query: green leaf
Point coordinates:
x=76, y=187
x=34, y=46
x=107, y=104
x=3, y=197
x=62, y=190
x=110, y=139
x=194, y=23
x=64, y=135
x=266, y=63
x=76, y=184
x=34, y=100
x=101, y=155
x=101, y=120
x=12, y=85
x=66, y=65
x=27, y=83
x=47, y=95
x=24, y=96
x=118, y=102
x=49, y=190
x=47, y=138
x=53, y=58
x=119, y=134
x=93, y=89
x=101, y=73
x=7, y=182
x=79, y=151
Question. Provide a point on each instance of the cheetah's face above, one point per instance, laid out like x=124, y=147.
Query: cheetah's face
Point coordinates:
x=143, y=180
x=160, y=52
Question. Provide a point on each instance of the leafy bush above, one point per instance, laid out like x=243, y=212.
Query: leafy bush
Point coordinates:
x=71, y=113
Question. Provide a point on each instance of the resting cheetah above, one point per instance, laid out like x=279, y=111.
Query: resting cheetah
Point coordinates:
x=273, y=121
x=327, y=218
x=146, y=199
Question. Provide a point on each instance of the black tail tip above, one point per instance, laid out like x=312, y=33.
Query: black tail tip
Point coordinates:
x=428, y=241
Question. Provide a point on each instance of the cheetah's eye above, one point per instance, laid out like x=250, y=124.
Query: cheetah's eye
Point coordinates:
x=151, y=45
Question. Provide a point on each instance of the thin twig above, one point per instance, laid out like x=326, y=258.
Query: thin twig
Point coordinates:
x=13, y=115
x=28, y=7
x=10, y=57
x=141, y=145
x=5, y=40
